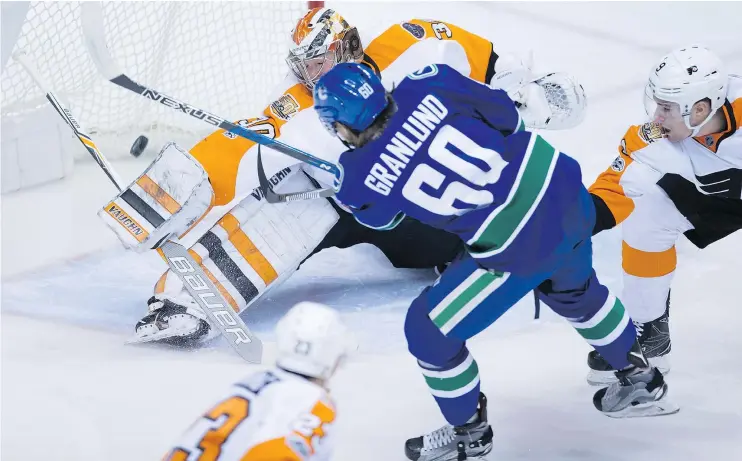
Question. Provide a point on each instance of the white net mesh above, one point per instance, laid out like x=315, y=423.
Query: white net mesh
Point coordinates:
x=223, y=57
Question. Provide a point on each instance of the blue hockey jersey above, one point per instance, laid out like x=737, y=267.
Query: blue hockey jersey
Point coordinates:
x=454, y=156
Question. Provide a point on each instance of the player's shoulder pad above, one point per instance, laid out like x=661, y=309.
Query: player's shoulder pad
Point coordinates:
x=638, y=137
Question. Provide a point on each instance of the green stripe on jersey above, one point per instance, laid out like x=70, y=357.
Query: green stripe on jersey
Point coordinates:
x=506, y=221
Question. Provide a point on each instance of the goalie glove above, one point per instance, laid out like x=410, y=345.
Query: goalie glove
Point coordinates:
x=554, y=101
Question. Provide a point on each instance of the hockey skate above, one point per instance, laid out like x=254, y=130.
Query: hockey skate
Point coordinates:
x=472, y=440
x=640, y=390
x=171, y=323
x=654, y=338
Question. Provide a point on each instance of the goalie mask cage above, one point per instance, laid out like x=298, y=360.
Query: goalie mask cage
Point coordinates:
x=223, y=56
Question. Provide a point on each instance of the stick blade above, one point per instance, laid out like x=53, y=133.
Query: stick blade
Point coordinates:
x=205, y=294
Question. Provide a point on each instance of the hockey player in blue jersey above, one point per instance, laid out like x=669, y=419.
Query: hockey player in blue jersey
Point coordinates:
x=451, y=152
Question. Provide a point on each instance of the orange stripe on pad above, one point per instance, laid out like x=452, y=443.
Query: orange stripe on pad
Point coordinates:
x=159, y=194
x=211, y=277
x=216, y=282
x=648, y=264
x=247, y=249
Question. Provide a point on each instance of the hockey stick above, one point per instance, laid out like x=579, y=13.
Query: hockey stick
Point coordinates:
x=92, y=20
x=90, y=146
x=198, y=285
x=273, y=197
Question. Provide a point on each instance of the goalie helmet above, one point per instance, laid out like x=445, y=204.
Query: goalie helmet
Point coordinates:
x=321, y=39
x=684, y=77
x=311, y=340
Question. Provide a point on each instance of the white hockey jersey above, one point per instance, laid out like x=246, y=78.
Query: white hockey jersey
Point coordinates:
x=268, y=416
x=713, y=163
x=660, y=190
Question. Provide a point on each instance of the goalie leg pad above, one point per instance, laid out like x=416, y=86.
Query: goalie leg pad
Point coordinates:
x=252, y=248
x=258, y=245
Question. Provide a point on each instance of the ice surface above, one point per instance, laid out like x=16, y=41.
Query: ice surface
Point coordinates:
x=71, y=295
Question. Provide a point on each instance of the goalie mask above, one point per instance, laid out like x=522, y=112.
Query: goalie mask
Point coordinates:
x=321, y=39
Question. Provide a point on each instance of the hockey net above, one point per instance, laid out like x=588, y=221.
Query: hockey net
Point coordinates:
x=222, y=56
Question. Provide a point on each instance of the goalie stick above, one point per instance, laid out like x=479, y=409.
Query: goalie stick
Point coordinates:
x=198, y=285
x=273, y=197
x=92, y=20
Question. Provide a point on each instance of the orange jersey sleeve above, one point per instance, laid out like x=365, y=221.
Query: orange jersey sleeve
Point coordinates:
x=397, y=39
x=221, y=152
x=609, y=186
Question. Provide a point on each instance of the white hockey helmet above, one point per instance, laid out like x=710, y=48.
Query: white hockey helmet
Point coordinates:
x=685, y=76
x=311, y=340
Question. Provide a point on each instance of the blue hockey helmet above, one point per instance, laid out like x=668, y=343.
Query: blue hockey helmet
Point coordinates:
x=351, y=94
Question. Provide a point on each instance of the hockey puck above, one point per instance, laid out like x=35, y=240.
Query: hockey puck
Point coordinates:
x=139, y=145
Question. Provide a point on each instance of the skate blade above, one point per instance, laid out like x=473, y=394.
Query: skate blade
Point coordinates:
x=148, y=339
x=455, y=456
x=159, y=336
x=644, y=410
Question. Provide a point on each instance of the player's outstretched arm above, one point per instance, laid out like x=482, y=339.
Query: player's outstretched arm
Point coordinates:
x=549, y=101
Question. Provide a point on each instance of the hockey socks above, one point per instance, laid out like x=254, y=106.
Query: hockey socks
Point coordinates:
x=609, y=330
x=455, y=386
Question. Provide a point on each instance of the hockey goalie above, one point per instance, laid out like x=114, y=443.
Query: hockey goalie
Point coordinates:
x=247, y=246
